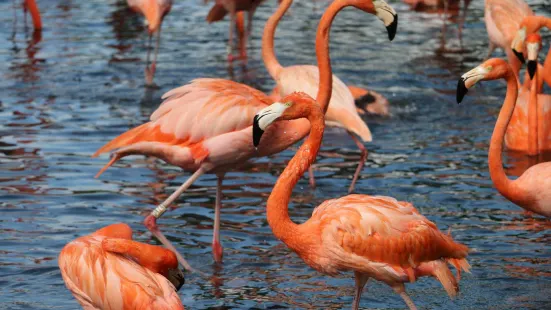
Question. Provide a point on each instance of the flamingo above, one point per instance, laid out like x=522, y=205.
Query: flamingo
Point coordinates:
x=30, y=5
x=108, y=270
x=222, y=7
x=204, y=127
x=528, y=131
x=342, y=109
x=531, y=190
x=502, y=19
x=154, y=12
x=529, y=25
x=376, y=237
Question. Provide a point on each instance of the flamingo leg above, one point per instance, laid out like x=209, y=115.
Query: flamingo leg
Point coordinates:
x=363, y=158
x=217, y=250
x=311, y=177
x=150, y=221
x=361, y=280
x=148, y=79
x=402, y=292
x=155, y=53
x=491, y=48
x=230, y=37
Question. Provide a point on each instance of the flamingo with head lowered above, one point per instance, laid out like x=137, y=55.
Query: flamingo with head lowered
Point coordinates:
x=342, y=109
x=532, y=190
x=376, y=237
x=205, y=126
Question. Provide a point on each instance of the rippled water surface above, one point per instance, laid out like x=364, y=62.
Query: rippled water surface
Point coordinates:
x=80, y=84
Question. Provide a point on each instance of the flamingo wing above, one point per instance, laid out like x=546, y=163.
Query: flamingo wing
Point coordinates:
x=505, y=16
x=342, y=109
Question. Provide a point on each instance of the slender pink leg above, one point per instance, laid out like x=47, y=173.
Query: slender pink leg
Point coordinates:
x=402, y=292
x=217, y=251
x=363, y=158
x=150, y=221
x=155, y=53
x=148, y=77
x=360, y=280
x=311, y=177
x=230, y=37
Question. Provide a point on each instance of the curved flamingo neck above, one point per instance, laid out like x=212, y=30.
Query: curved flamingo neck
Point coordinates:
x=495, y=161
x=268, y=53
x=277, y=210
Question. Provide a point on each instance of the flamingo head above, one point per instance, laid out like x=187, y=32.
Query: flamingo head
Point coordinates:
x=491, y=69
x=533, y=47
x=176, y=277
x=293, y=106
x=382, y=10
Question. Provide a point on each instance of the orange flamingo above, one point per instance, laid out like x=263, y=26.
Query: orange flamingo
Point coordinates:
x=30, y=5
x=529, y=25
x=154, y=12
x=531, y=190
x=528, y=131
x=373, y=236
x=342, y=110
x=108, y=270
x=502, y=19
x=204, y=127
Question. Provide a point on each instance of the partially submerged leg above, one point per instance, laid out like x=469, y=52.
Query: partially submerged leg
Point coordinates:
x=230, y=36
x=361, y=280
x=311, y=177
x=400, y=289
x=150, y=221
x=363, y=158
x=147, y=61
x=491, y=48
x=155, y=53
x=217, y=250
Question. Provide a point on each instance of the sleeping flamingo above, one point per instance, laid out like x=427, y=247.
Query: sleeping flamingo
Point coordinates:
x=204, y=127
x=108, y=270
x=154, y=12
x=532, y=190
x=342, y=110
x=529, y=129
x=502, y=19
x=373, y=236
x=30, y=5
x=529, y=25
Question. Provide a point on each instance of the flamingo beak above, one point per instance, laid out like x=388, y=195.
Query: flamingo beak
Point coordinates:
x=265, y=117
x=176, y=277
x=388, y=16
x=468, y=80
x=518, y=44
x=533, y=49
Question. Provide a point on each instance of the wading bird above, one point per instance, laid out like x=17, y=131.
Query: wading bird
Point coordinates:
x=532, y=190
x=205, y=126
x=154, y=12
x=108, y=270
x=374, y=236
x=342, y=110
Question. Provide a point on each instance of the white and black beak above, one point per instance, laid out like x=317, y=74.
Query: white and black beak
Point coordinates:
x=389, y=17
x=176, y=277
x=266, y=117
x=468, y=80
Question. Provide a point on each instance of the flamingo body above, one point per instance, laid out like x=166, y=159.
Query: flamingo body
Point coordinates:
x=102, y=279
x=153, y=10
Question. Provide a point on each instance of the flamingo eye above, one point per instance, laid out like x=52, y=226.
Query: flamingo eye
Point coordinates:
x=288, y=104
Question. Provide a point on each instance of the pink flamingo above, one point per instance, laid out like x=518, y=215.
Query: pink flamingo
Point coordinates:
x=374, y=236
x=531, y=190
x=502, y=19
x=154, y=12
x=529, y=25
x=342, y=109
x=108, y=270
x=204, y=127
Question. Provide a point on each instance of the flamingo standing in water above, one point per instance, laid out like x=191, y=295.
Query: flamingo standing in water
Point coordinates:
x=205, y=127
x=529, y=130
x=529, y=25
x=342, y=110
x=502, y=19
x=154, y=12
x=30, y=5
x=532, y=190
x=374, y=236
x=108, y=270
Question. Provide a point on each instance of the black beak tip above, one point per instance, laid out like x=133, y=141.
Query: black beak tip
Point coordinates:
x=461, y=90
x=257, y=131
x=519, y=55
x=391, y=29
x=532, y=67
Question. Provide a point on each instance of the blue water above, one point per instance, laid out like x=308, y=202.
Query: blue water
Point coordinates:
x=78, y=86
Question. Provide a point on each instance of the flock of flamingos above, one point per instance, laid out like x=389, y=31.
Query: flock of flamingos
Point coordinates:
x=213, y=125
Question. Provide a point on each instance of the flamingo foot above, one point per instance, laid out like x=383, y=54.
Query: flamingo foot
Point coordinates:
x=217, y=251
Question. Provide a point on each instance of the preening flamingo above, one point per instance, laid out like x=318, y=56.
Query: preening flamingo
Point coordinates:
x=222, y=7
x=503, y=19
x=532, y=190
x=529, y=25
x=205, y=126
x=108, y=270
x=529, y=129
x=31, y=6
x=342, y=109
x=373, y=236
x=154, y=12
